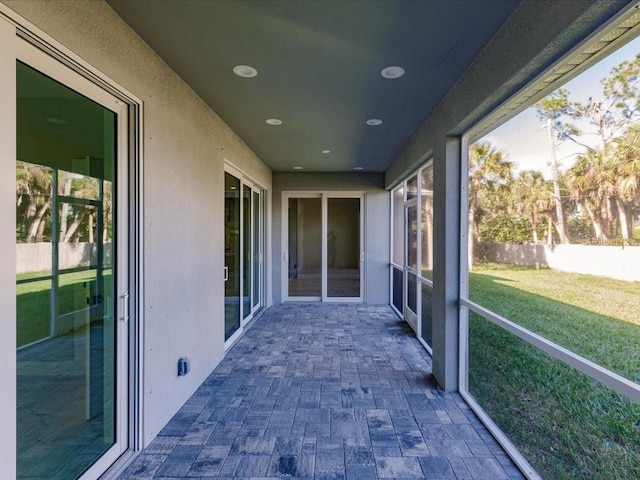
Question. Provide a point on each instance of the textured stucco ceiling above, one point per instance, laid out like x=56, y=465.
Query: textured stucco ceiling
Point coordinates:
x=319, y=66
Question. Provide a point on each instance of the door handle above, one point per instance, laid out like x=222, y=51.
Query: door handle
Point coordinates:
x=125, y=307
x=362, y=256
x=226, y=273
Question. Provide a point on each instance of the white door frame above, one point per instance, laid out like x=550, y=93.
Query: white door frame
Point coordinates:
x=248, y=183
x=410, y=316
x=252, y=188
x=324, y=196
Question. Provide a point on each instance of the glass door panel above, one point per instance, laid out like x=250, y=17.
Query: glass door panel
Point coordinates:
x=67, y=334
x=343, y=247
x=412, y=237
x=246, y=251
x=256, y=250
x=231, y=255
x=427, y=223
x=305, y=247
x=411, y=264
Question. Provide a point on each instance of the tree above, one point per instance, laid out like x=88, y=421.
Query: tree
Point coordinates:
x=609, y=119
x=489, y=171
x=551, y=109
x=533, y=198
x=583, y=184
x=33, y=200
x=627, y=159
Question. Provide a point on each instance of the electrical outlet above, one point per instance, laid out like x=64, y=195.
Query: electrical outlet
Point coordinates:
x=183, y=366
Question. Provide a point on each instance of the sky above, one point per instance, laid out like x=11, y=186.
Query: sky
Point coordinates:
x=525, y=138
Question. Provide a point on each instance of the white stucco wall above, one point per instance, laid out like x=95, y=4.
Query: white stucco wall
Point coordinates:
x=185, y=145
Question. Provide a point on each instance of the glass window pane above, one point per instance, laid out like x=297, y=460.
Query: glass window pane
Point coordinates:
x=412, y=187
x=66, y=335
x=427, y=222
x=398, y=226
x=427, y=313
x=412, y=236
x=398, y=288
x=343, y=247
x=305, y=247
x=412, y=292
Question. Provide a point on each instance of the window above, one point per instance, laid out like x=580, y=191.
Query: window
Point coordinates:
x=412, y=251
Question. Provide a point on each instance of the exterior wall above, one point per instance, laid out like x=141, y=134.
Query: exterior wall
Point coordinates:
x=185, y=145
x=613, y=262
x=376, y=224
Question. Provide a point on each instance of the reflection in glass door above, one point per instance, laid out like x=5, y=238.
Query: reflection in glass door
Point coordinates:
x=70, y=359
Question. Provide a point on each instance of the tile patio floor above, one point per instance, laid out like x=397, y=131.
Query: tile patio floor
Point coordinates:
x=324, y=392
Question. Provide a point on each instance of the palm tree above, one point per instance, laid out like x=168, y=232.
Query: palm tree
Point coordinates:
x=488, y=171
x=583, y=181
x=33, y=199
x=627, y=158
x=533, y=197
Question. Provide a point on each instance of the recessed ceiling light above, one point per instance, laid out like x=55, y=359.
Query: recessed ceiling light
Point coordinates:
x=56, y=121
x=273, y=121
x=392, y=72
x=326, y=151
x=298, y=168
x=357, y=168
x=245, y=71
x=374, y=121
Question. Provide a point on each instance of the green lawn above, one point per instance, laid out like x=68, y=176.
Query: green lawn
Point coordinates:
x=34, y=301
x=567, y=425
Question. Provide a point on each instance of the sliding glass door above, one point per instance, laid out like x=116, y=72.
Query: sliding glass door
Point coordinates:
x=243, y=251
x=71, y=271
x=323, y=248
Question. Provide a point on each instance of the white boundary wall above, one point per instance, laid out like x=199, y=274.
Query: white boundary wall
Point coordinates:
x=613, y=262
x=36, y=257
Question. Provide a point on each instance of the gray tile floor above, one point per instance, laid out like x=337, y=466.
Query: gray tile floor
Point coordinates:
x=324, y=392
